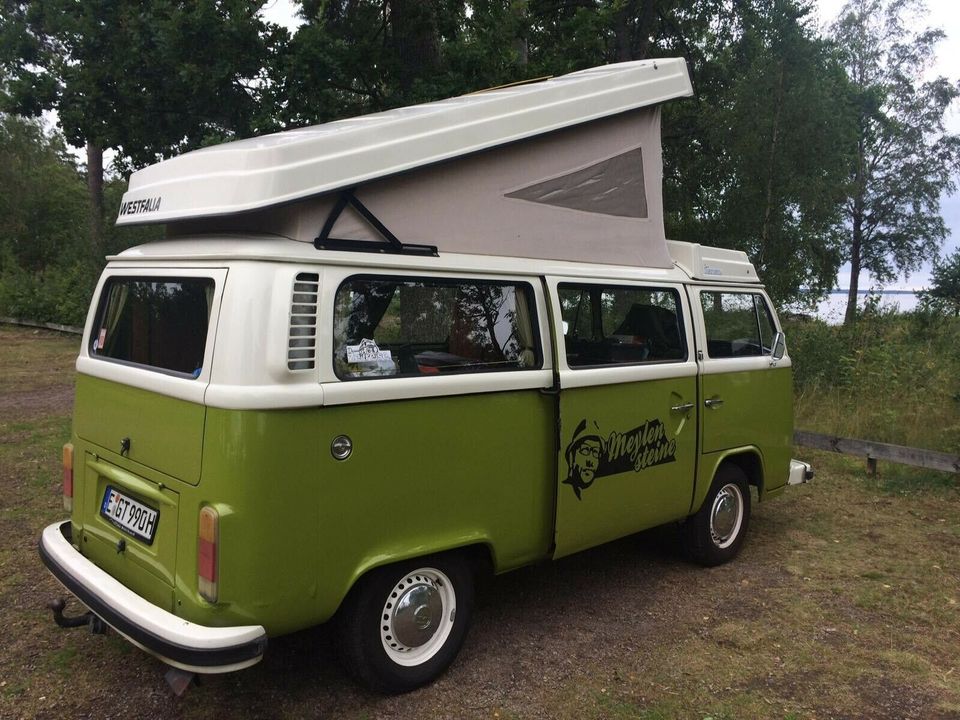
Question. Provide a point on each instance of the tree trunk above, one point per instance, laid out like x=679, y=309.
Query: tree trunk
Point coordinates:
x=856, y=218
x=520, y=30
x=95, y=189
x=771, y=161
x=415, y=40
x=633, y=44
x=855, y=251
x=621, y=33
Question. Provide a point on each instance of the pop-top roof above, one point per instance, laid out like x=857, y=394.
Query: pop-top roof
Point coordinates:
x=287, y=166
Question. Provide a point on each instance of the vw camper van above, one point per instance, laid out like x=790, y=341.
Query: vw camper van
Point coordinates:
x=375, y=359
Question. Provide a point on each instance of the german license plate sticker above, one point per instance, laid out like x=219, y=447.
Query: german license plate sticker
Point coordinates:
x=131, y=516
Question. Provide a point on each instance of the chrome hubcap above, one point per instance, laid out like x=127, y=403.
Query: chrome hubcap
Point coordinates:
x=418, y=616
x=726, y=515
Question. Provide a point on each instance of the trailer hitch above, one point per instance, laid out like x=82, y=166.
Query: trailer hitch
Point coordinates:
x=96, y=625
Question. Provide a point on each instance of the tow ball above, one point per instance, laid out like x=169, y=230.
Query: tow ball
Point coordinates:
x=88, y=619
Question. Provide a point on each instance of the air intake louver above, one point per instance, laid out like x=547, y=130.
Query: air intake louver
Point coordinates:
x=302, y=343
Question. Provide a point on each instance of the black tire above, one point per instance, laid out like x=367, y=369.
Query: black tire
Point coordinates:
x=396, y=628
x=715, y=534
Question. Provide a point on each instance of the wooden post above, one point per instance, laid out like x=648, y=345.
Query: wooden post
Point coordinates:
x=871, y=465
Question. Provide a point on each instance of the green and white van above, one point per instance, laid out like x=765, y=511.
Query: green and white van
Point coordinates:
x=287, y=414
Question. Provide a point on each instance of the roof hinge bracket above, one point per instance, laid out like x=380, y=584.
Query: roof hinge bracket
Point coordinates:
x=391, y=243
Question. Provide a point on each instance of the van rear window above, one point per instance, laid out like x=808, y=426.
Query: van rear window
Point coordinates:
x=160, y=323
x=405, y=327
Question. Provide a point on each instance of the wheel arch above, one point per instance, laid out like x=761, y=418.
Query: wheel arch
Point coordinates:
x=479, y=555
x=748, y=459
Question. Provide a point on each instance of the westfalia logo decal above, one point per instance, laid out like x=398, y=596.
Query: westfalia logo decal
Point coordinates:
x=589, y=455
x=135, y=207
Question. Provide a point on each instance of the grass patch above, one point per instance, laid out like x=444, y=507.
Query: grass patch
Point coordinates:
x=844, y=603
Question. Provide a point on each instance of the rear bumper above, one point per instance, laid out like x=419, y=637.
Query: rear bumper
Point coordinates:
x=175, y=641
x=800, y=473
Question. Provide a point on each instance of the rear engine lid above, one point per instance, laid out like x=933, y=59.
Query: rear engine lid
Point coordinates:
x=129, y=526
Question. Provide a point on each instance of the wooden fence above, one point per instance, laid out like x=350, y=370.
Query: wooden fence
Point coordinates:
x=873, y=451
x=46, y=326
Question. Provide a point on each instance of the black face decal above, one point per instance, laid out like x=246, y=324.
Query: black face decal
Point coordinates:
x=590, y=455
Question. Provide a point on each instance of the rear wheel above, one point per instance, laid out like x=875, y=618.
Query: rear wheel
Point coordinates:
x=715, y=534
x=404, y=624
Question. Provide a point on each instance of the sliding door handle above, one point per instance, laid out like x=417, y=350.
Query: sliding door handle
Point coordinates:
x=713, y=402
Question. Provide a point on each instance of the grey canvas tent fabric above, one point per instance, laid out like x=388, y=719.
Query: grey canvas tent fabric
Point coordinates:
x=589, y=193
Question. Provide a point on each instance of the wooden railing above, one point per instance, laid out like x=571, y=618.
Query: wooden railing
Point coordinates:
x=43, y=325
x=873, y=451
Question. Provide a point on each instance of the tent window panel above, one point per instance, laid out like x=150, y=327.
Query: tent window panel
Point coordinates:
x=411, y=327
x=611, y=187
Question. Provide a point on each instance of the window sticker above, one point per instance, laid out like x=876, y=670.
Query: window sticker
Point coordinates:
x=367, y=351
x=101, y=339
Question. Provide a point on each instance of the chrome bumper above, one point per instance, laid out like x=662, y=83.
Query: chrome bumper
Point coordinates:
x=800, y=473
x=175, y=641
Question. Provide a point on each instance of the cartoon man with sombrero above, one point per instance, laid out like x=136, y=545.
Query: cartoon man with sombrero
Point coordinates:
x=583, y=459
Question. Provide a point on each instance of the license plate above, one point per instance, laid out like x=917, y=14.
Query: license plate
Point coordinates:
x=129, y=515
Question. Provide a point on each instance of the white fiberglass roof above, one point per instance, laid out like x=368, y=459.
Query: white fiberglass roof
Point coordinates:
x=260, y=172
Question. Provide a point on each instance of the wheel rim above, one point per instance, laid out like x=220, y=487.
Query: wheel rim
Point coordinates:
x=726, y=515
x=418, y=616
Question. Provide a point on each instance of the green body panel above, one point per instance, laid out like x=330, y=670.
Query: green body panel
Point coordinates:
x=106, y=412
x=261, y=474
x=756, y=417
x=636, y=494
x=433, y=474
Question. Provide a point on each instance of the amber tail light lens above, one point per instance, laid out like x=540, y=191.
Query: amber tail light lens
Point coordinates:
x=68, y=477
x=207, y=549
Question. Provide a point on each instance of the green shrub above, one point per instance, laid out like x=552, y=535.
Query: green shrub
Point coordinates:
x=890, y=377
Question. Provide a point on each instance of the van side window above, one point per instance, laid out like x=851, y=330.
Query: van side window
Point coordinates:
x=737, y=324
x=407, y=327
x=160, y=323
x=604, y=325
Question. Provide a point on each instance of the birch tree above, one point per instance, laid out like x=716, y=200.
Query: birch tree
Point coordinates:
x=904, y=159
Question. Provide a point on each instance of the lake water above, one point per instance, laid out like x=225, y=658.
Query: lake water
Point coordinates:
x=832, y=308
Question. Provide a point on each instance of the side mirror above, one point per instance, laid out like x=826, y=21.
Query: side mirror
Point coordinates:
x=779, y=346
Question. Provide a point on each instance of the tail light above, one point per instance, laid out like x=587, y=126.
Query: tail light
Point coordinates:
x=68, y=477
x=207, y=542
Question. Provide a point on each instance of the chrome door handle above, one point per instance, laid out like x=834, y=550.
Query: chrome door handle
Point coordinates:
x=713, y=402
x=682, y=408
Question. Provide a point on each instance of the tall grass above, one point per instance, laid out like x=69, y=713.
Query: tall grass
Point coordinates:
x=891, y=377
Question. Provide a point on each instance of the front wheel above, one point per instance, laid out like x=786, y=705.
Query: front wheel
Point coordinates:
x=715, y=534
x=404, y=624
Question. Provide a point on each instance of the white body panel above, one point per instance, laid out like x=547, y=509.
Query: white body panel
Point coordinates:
x=248, y=328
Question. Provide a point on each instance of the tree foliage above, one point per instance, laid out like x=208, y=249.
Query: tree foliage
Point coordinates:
x=147, y=79
x=793, y=142
x=904, y=159
x=43, y=195
x=943, y=295
x=759, y=162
